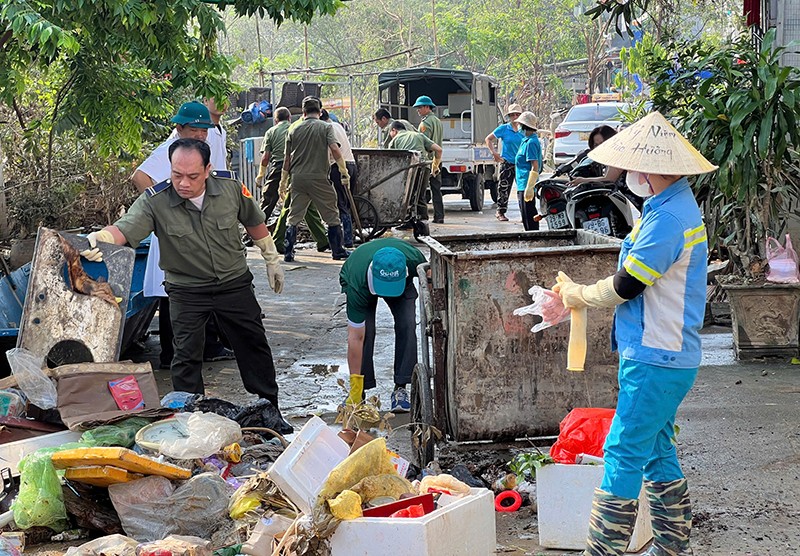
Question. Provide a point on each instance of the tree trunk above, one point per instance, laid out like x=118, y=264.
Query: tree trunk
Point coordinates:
x=3, y=207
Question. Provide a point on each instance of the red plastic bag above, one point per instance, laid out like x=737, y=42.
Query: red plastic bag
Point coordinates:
x=782, y=262
x=582, y=431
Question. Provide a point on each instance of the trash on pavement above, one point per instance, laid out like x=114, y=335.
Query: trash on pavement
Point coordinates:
x=508, y=501
x=12, y=402
x=7, y=548
x=176, y=545
x=111, y=545
x=260, y=539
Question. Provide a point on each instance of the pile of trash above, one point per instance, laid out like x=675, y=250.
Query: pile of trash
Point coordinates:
x=189, y=475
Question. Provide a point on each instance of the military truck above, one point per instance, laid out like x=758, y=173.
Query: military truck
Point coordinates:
x=466, y=103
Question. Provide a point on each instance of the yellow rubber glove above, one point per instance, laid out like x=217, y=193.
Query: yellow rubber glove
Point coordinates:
x=93, y=253
x=530, y=188
x=262, y=172
x=576, y=349
x=283, y=189
x=270, y=255
x=436, y=166
x=577, y=296
x=356, y=390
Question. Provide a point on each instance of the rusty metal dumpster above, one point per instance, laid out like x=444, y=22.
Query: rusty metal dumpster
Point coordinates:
x=493, y=379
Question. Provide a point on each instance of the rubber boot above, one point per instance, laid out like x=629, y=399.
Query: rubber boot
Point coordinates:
x=671, y=518
x=347, y=229
x=288, y=243
x=335, y=239
x=610, y=525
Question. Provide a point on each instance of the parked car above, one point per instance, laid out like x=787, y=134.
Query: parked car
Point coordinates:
x=572, y=134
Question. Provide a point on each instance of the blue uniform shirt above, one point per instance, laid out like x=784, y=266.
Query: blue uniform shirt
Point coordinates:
x=667, y=251
x=529, y=150
x=511, y=141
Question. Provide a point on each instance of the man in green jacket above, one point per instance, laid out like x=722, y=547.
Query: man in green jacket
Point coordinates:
x=382, y=268
x=403, y=139
x=431, y=127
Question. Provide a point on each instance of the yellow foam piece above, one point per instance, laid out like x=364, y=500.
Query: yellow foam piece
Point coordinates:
x=101, y=476
x=118, y=457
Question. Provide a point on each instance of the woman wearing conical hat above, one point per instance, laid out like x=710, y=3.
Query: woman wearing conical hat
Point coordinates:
x=659, y=293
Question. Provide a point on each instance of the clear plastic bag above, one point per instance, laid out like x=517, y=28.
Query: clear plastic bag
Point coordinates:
x=142, y=507
x=205, y=435
x=546, y=304
x=782, y=261
x=27, y=369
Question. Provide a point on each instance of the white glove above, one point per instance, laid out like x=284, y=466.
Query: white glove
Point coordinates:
x=93, y=254
x=272, y=259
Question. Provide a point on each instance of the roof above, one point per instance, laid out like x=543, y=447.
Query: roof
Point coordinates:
x=389, y=78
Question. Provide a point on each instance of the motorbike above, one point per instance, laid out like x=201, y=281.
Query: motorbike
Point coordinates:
x=551, y=201
x=606, y=208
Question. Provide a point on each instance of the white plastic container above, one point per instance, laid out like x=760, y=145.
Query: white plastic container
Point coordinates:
x=464, y=526
x=564, y=497
x=301, y=470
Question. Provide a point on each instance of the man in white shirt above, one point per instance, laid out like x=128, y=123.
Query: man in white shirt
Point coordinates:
x=343, y=199
x=192, y=121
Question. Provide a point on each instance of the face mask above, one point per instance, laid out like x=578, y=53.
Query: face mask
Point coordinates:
x=632, y=180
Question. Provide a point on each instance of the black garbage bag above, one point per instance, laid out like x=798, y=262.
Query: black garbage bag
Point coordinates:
x=260, y=413
x=212, y=405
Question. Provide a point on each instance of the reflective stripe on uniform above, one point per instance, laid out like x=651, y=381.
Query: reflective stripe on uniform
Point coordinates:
x=695, y=236
x=640, y=271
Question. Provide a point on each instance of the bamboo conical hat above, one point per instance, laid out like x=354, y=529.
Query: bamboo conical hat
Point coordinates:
x=652, y=146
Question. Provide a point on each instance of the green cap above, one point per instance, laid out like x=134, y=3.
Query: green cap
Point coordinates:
x=424, y=100
x=193, y=114
x=387, y=273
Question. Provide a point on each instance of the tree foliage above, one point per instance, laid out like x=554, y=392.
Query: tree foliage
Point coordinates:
x=114, y=63
x=738, y=106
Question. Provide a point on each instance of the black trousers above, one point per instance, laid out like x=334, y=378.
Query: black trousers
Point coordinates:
x=214, y=343
x=405, y=337
x=272, y=183
x=342, y=199
x=527, y=210
x=238, y=314
x=507, y=172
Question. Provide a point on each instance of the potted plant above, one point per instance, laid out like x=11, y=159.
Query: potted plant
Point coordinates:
x=738, y=105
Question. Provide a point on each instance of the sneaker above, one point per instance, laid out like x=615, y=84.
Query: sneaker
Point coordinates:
x=224, y=354
x=400, y=401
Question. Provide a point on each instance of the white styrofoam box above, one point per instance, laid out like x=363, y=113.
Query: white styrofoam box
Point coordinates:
x=301, y=470
x=462, y=526
x=564, y=497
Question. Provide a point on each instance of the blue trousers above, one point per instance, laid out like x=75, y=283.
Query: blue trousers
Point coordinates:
x=641, y=442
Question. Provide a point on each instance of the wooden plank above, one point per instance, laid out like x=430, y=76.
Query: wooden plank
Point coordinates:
x=101, y=475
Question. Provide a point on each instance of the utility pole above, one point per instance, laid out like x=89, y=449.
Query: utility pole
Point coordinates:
x=435, y=40
x=305, y=47
x=260, y=57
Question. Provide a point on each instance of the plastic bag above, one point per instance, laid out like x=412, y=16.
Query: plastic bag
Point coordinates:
x=782, y=261
x=40, y=502
x=176, y=545
x=143, y=507
x=151, y=508
x=121, y=434
x=176, y=399
x=27, y=368
x=582, y=431
x=111, y=545
x=206, y=434
x=547, y=305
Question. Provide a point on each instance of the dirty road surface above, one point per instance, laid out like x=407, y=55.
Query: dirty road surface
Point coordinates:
x=739, y=439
